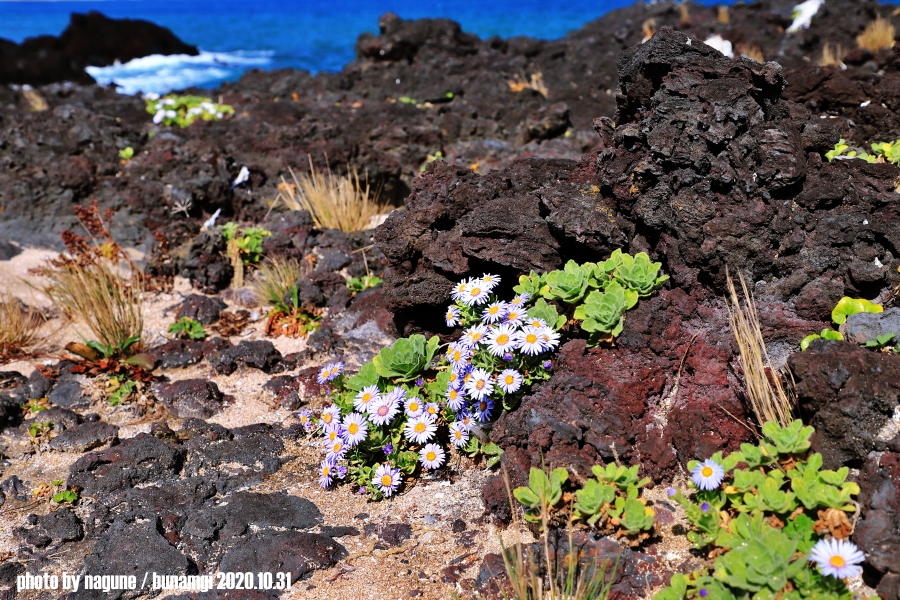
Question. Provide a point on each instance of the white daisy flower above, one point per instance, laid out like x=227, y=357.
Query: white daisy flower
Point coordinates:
x=838, y=558
x=480, y=385
x=431, y=456
x=455, y=398
x=459, y=434
x=467, y=422
x=458, y=354
x=386, y=479
x=537, y=323
x=509, y=380
x=365, y=397
x=413, y=407
x=432, y=409
x=336, y=451
x=383, y=411
x=459, y=291
x=491, y=281
x=455, y=378
x=452, y=316
x=473, y=335
x=530, y=342
x=520, y=300
x=420, y=430
x=355, y=429
x=708, y=475
x=494, y=312
x=501, y=340
x=514, y=316
x=549, y=338
x=330, y=415
x=476, y=292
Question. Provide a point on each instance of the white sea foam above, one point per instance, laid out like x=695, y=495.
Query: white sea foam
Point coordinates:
x=160, y=74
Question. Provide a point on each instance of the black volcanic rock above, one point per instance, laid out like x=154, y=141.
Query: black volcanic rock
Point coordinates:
x=90, y=39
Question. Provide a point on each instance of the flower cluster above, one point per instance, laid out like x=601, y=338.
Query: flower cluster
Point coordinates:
x=184, y=110
x=388, y=420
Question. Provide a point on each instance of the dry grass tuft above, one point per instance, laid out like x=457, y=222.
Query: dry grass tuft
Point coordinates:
x=723, y=16
x=535, y=82
x=104, y=303
x=831, y=56
x=18, y=327
x=274, y=278
x=684, y=13
x=36, y=102
x=335, y=202
x=879, y=35
x=649, y=28
x=767, y=396
x=752, y=52
x=564, y=579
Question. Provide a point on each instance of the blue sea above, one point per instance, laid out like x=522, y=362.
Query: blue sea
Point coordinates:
x=317, y=35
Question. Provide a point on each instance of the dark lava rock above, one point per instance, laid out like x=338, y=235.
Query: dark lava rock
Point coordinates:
x=89, y=40
x=183, y=353
x=863, y=327
x=84, y=437
x=138, y=460
x=201, y=308
x=293, y=391
x=206, y=264
x=61, y=525
x=277, y=551
x=189, y=398
x=8, y=250
x=9, y=570
x=16, y=390
x=878, y=532
x=259, y=354
x=392, y=534
x=67, y=393
x=61, y=418
x=13, y=487
x=848, y=394
x=548, y=122
x=132, y=548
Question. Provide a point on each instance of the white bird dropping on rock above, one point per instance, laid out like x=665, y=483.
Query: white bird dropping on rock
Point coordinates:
x=243, y=176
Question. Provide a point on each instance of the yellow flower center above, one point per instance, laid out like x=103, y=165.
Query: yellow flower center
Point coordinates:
x=467, y=377
x=476, y=291
x=353, y=428
x=326, y=471
x=531, y=338
x=453, y=394
x=414, y=407
x=332, y=435
x=706, y=471
x=457, y=355
x=337, y=447
x=493, y=310
x=457, y=434
x=502, y=339
x=430, y=456
x=366, y=398
x=387, y=480
x=326, y=418
x=420, y=427
x=510, y=380
x=837, y=561
x=512, y=316
x=479, y=384
x=476, y=336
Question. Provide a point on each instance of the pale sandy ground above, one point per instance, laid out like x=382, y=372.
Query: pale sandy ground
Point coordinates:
x=429, y=506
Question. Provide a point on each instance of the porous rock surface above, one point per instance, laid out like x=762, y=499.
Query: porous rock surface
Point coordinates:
x=878, y=531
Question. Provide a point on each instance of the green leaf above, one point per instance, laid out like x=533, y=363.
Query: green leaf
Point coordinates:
x=406, y=358
x=65, y=496
x=126, y=153
x=530, y=284
x=602, y=311
x=639, y=274
x=569, y=285
x=850, y=306
x=547, y=312
x=142, y=360
x=366, y=376
x=526, y=497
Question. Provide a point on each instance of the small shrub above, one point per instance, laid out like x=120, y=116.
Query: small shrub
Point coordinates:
x=188, y=328
x=97, y=286
x=333, y=201
x=119, y=390
x=831, y=56
x=275, y=284
x=765, y=512
x=182, y=110
x=878, y=35
x=18, y=327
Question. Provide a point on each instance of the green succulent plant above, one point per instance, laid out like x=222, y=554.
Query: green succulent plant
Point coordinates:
x=592, y=500
x=406, y=358
x=624, y=478
x=530, y=284
x=639, y=274
x=633, y=516
x=547, y=312
x=881, y=341
x=569, y=285
x=542, y=492
x=850, y=306
x=602, y=311
x=793, y=439
x=188, y=328
x=248, y=240
x=827, y=334
x=764, y=560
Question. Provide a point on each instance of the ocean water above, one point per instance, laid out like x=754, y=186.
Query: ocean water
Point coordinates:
x=317, y=35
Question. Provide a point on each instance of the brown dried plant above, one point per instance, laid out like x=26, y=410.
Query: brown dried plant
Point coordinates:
x=752, y=52
x=36, y=102
x=333, y=201
x=878, y=35
x=765, y=392
x=97, y=286
x=722, y=15
x=831, y=56
x=275, y=284
x=18, y=327
x=535, y=82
